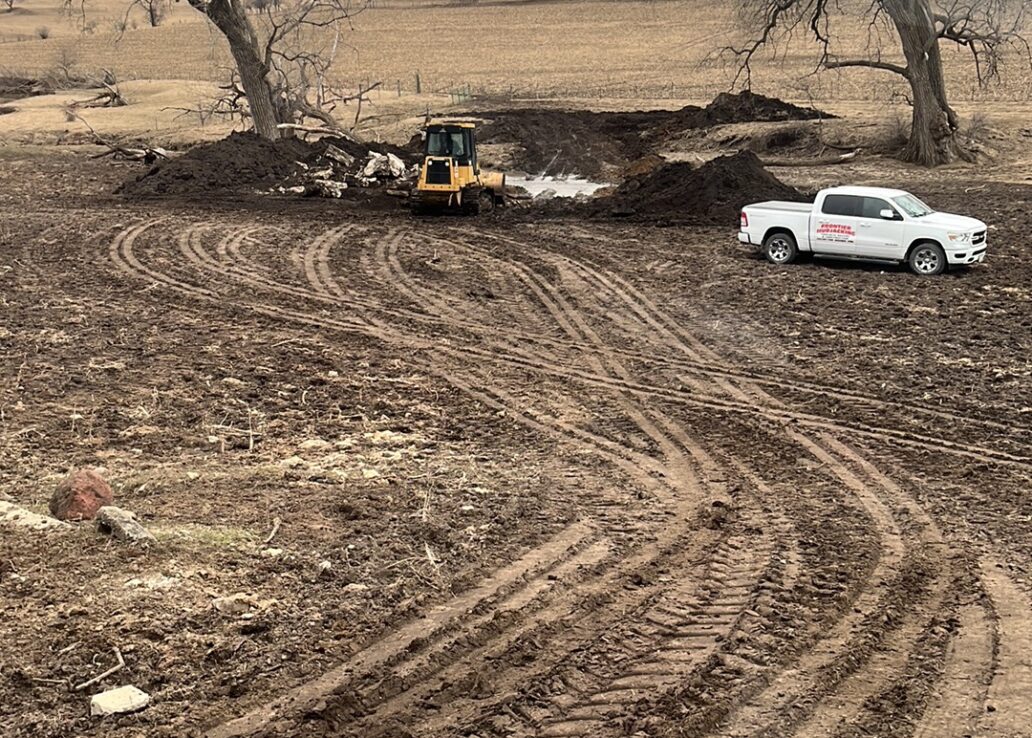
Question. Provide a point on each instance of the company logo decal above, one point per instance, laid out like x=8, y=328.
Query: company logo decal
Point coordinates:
x=838, y=232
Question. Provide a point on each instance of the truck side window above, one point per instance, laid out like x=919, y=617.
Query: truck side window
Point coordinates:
x=873, y=207
x=848, y=205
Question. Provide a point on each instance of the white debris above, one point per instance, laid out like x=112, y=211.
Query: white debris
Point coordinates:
x=122, y=524
x=152, y=581
x=384, y=164
x=339, y=155
x=120, y=700
x=234, y=604
x=13, y=515
x=330, y=187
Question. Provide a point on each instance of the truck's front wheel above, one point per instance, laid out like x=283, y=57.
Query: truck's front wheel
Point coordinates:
x=927, y=259
x=780, y=248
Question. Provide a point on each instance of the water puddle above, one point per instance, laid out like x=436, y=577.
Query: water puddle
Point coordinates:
x=563, y=186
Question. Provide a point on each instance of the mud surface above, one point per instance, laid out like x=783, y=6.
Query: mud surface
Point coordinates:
x=713, y=193
x=241, y=162
x=604, y=144
x=571, y=478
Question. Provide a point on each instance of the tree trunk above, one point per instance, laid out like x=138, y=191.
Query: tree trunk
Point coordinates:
x=933, y=130
x=229, y=17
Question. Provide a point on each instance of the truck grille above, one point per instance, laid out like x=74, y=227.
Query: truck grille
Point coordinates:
x=978, y=238
x=438, y=172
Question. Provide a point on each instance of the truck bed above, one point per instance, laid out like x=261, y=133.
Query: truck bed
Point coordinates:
x=793, y=207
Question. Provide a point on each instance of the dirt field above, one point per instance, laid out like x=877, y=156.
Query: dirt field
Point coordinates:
x=579, y=468
x=557, y=476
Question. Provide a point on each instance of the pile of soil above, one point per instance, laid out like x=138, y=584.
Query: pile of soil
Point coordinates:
x=748, y=107
x=603, y=144
x=240, y=161
x=565, y=141
x=712, y=194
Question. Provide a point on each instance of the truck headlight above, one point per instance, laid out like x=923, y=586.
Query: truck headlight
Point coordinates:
x=959, y=237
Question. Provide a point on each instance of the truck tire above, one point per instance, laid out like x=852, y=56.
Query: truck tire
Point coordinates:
x=927, y=259
x=780, y=248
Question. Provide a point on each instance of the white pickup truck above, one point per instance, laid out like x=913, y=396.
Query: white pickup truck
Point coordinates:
x=869, y=223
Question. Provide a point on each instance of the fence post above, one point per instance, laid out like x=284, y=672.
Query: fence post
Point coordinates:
x=419, y=85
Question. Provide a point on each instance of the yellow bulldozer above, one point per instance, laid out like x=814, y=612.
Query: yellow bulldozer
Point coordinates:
x=450, y=178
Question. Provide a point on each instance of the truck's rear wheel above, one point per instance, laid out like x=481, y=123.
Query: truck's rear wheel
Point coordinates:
x=780, y=248
x=927, y=259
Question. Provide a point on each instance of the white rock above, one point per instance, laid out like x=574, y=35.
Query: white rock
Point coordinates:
x=13, y=515
x=292, y=462
x=122, y=699
x=234, y=604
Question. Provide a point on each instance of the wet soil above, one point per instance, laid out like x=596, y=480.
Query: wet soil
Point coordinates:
x=572, y=477
x=243, y=162
x=713, y=193
x=604, y=144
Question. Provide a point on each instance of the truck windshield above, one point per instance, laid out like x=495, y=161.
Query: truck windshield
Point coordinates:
x=912, y=206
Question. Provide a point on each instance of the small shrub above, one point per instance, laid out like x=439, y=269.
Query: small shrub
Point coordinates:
x=43, y=32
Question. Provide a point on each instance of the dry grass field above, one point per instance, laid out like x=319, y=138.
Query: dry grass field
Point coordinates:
x=654, y=49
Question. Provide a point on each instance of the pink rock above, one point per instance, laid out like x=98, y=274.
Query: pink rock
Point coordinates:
x=80, y=495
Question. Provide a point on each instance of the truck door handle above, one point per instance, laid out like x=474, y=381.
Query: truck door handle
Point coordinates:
x=865, y=225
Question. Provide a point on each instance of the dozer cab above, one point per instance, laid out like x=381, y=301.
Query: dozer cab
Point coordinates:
x=450, y=178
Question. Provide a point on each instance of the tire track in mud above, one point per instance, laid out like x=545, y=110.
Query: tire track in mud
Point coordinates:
x=566, y=318
x=201, y=260
x=770, y=406
x=1008, y=711
x=760, y=402
x=704, y=360
x=851, y=662
x=705, y=366
x=524, y=578
x=676, y=638
x=877, y=671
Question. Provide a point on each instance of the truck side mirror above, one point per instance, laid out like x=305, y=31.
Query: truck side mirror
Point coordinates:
x=888, y=214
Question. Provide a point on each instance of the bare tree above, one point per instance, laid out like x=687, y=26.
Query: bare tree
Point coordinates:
x=281, y=62
x=986, y=28
x=282, y=59
x=10, y=5
x=154, y=10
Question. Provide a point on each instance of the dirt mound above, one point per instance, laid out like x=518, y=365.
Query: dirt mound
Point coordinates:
x=242, y=161
x=565, y=141
x=711, y=194
x=604, y=144
x=748, y=107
